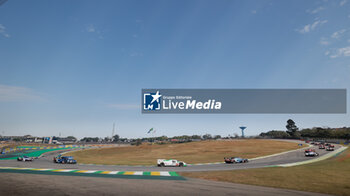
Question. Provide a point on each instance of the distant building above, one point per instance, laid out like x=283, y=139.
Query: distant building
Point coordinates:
x=45, y=140
x=67, y=140
x=38, y=140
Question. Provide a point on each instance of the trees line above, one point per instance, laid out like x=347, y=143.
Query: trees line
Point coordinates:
x=315, y=132
x=292, y=132
x=116, y=138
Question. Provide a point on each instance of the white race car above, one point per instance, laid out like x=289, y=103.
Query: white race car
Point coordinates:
x=170, y=163
x=25, y=158
x=310, y=153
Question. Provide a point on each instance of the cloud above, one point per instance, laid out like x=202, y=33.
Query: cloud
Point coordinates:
x=314, y=11
x=93, y=30
x=17, y=93
x=90, y=28
x=3, y=31
x=341, y=52
x=343, y=2
x=338, y=34
x=124, y=106
x=324, y=41
x=310, y=27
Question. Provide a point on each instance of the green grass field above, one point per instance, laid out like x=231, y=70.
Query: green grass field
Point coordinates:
x=331, y=176
x=29, y=153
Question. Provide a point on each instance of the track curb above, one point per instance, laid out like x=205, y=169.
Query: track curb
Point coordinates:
x=124, y=173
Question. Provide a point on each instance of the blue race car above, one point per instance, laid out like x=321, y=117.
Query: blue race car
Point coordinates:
x=64, y=159
x=235, y=160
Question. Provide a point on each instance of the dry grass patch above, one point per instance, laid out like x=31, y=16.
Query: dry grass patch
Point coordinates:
x=331, y=176
x=192, y=152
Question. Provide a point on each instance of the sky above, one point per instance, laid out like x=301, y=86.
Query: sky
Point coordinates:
x=76, y=67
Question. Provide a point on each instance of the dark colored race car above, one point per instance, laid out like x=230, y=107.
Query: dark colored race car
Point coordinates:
x=235, y=160
x=25, y=158
x=310, y=153
x=64, y=159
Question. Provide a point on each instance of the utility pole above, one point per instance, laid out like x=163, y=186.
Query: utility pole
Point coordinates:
x=113, y=131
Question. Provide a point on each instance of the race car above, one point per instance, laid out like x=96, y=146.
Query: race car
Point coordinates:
x=25, y=158
x=321, y=146
x=170, y=163
x=235, y=160
x=310, y=153
x=64, y=159
x=330, y=148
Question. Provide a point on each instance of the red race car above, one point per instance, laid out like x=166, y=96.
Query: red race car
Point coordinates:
x=330, y=147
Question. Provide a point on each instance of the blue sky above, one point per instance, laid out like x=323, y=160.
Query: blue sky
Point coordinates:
x=75, y=67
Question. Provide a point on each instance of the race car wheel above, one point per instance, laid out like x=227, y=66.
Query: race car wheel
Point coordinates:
x=162, y=165
x=181, y=165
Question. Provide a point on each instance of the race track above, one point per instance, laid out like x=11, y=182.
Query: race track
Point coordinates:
x=289, y=157
x=25, y=182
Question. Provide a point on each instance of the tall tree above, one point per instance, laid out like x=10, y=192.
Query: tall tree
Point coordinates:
x=207, y=137
x=72, y=137
x=292, y=129
x=116, y=137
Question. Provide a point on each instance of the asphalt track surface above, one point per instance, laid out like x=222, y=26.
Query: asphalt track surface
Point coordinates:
x=35, y=184
x=46, y=162
x=30, y=184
